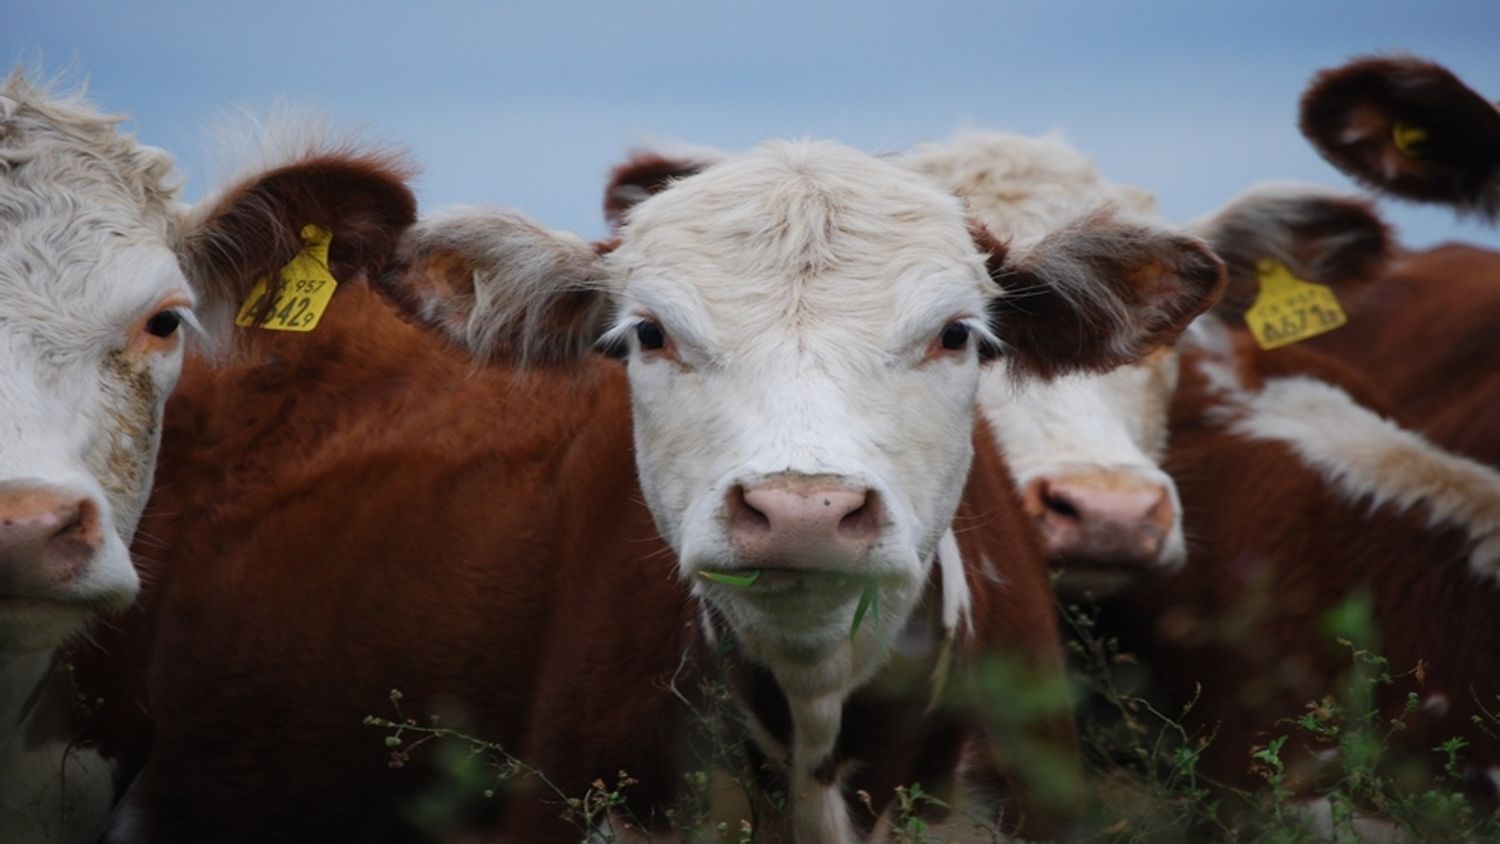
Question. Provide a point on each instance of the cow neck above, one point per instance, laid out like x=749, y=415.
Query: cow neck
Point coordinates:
x=52, y=790
x=801, y=737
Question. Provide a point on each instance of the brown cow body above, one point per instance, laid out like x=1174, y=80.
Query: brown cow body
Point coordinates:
x=551, y=625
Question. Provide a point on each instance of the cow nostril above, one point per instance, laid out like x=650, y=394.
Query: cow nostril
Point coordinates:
x=862, y=521
x=742, y=514
x=1059, y=505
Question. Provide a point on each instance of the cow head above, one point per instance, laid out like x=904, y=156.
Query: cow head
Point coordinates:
x=805, y=327
x=101, y=275
x=1085, y=449
x=1410, y=127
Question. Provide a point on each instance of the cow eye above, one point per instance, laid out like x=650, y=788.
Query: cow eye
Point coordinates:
x=955, y=336
x=163, y=324
x=650, y=335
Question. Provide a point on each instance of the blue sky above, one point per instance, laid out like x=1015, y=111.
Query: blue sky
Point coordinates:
x=529, y=104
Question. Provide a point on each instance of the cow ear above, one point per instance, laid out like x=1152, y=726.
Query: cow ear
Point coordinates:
x=255, y=226
x=1318, y=235
x=648, y=172
x=1098, y=293
x=503, y=286
x=1408, y=127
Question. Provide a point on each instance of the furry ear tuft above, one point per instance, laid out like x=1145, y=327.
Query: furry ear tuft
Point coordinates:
x=1319, y=235
x=254, y=227
x=648, y=172
x=1409, y=127
x=503, y=286
x=1098, y=293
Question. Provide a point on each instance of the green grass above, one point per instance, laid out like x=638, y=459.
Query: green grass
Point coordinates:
x=1145, y=779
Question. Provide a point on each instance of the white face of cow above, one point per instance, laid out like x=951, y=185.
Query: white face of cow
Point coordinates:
x=91, y=300
x=804, y=324
x=94, y=293
x=1086, y=453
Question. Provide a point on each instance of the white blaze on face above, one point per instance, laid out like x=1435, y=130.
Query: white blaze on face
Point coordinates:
x=1094, y=439
x=801, y=293
x=85, y=223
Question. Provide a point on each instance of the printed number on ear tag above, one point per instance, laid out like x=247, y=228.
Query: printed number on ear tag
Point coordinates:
x=1289, y=310
x=306, y=288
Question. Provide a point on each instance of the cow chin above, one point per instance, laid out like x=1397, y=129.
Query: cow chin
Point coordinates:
x=36, y=618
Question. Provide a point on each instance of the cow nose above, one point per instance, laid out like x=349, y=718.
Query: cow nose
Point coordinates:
x=46, y=536
x=1107, y=517
x=803, y=521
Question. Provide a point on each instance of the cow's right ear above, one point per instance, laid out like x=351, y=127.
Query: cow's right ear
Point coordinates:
x=1319, y=235
x=1408, y=127
x=648, y=172
x=503, y=286
x=254, y=227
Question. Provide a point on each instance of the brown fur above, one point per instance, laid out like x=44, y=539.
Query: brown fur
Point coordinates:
x=1272, y=553
x=255, y=227
x=381, y=515
x=644, y=174
x=1348, y=114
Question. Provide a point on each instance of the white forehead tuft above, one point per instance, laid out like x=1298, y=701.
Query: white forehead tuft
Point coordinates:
x=811, y=225
x=61, y=158
x=1022, y=187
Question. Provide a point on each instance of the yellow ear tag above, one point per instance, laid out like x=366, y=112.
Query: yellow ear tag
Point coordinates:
x=1408, y=138
x=1288, y=309
x=306, y=288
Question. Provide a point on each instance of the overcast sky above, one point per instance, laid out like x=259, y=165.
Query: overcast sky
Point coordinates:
x=529, y=104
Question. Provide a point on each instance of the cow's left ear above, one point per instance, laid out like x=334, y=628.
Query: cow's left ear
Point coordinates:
x=1101, y=292
x=255, y=226
x=505, y=287
x=1408, y=127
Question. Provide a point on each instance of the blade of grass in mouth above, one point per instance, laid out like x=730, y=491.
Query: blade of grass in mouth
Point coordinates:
x=730, y=579
x=868, y=600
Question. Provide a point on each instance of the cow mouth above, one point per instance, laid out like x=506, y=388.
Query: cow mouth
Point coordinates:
x=776, y=578
x=1102, y=577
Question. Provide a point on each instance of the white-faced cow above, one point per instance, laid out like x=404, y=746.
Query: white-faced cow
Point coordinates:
x=1409, y=127
x=805, y=327
x=1083, y=448
x=101, y=271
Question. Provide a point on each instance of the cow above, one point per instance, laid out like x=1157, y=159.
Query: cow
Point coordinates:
x=1087, y=471
x=1306, y=479
x=565, y=554
x=102, y=274
x=1408, y=127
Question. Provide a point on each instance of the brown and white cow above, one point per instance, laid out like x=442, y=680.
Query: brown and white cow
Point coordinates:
x=804, y=327
x=1409, y=127
x=1085, y=447
x=1301, y=489
x=101, y=272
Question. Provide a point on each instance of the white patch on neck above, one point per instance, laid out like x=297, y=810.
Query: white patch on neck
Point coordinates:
x=1367, y=458
x=50, y=791
x=957, y=601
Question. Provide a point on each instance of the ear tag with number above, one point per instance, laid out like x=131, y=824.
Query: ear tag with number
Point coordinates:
x=306, y=288
x=1288, y=309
